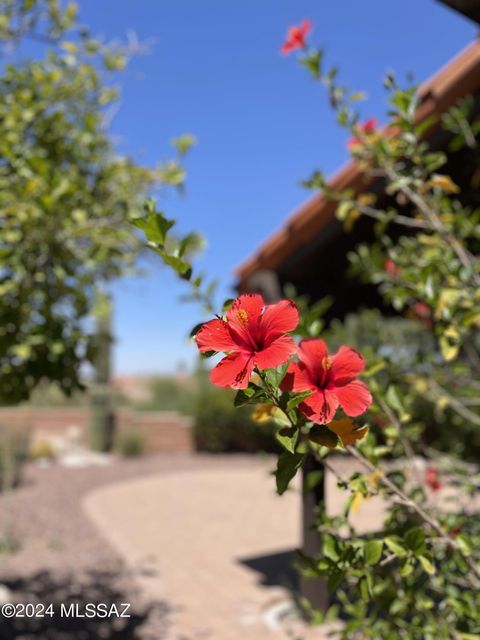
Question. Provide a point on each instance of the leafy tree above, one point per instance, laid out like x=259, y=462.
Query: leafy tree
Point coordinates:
x=65, y=196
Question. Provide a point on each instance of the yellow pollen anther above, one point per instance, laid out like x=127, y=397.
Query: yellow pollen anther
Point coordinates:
x=326, y=363
x=242, y=316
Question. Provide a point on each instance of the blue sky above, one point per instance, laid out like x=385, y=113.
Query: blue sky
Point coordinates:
x=262, y=125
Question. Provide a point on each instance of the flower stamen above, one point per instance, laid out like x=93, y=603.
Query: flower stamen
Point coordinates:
x=242, y=316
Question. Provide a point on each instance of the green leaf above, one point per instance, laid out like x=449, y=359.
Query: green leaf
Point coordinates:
x=395, y=545
x=330, y=548
x=372, y=551
x=406, y=569
x=288, y=438
x=184, y=143
x=323, y=436
x=427, y=566
x=334, y=580
x=244, y=396
x=358, y=96
x=227, y=304
x=275, y=376
x=287, y=467
x=196, y=329
x=464, y=544
x=313, y=63
x=155, y=226
x=180, y=266
x=415, y=540
x=364, y=588
x=297, y=399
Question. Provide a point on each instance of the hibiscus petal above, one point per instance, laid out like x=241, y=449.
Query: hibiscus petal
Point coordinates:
x=215, y=336
x=320, y=407
x=251, y=304
x=279, y=318
x=244, y=314
x=278, y=352
x=314, y=354
x=354, y=398
x=233, y=371
x=346, y=365
x=297, y=378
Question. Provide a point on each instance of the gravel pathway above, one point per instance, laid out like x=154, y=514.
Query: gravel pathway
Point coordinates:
x=63, y=557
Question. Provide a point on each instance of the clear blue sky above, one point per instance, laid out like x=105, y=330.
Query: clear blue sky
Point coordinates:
x=262, y=124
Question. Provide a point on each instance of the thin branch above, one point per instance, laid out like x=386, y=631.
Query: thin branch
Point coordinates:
x=455, y=403
x=397, y=219
x=395, y=421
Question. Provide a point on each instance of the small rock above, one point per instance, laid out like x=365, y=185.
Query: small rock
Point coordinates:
x=5, y=594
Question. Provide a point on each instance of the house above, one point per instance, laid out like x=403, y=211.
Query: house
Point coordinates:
x=311, y=249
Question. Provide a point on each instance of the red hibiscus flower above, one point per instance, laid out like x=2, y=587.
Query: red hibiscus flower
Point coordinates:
x=253, y=335
x=391, y=268
x=363, y=130
x=431, y=479
x=296, y=37
x=331, y=378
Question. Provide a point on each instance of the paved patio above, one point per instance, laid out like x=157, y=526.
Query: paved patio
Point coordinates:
x=216, y=543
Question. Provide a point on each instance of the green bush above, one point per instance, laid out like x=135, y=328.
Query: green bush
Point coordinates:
x=131, y=444
x=169, y=394
x=408, y=350
x=219, y=427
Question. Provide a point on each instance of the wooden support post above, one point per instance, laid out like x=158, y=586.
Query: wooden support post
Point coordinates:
x=312, y=589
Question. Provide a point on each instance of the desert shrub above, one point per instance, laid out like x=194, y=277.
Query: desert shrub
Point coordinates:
x=219, y=427
x=42, y=450
x=131, y=444
x=170, y=394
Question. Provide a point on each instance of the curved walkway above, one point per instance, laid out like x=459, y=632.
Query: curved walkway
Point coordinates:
x=203, y=539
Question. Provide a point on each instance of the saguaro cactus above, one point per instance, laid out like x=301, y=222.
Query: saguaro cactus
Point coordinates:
x=102, y=418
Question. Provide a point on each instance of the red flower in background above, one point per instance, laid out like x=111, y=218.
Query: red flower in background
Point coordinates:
x=253, y=335
x=432, y=480
x=331, y=378
x=296, y=37
x=365, y=129
x=422, y=310
x=391, y=268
